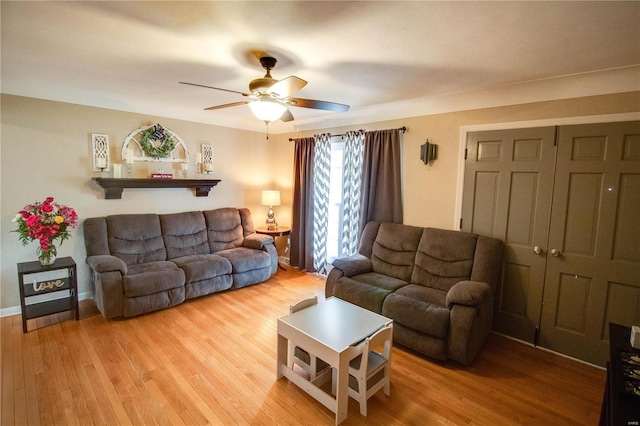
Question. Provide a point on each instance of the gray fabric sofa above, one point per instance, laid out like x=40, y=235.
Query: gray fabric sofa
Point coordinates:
x=141, y=263
x=437, y=285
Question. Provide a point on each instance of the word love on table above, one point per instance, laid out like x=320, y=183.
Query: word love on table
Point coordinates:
x=48, y=285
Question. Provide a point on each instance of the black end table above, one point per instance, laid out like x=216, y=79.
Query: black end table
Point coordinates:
x=32, y=288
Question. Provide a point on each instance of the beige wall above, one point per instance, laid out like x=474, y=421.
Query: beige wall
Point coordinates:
x=45, y=151
x=429, y=193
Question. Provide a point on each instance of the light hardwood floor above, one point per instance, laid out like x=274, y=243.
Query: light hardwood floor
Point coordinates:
x=212, y=361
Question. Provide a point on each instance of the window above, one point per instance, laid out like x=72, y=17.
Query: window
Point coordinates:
x=337, y=173
x=336, y=208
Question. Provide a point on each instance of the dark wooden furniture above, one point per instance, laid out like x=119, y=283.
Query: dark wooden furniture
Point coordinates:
x=113, y=186
x=30, y=287
x=280, y=231
x=619, y=407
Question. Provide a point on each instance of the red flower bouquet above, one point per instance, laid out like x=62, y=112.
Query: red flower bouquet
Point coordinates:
x=45, y=221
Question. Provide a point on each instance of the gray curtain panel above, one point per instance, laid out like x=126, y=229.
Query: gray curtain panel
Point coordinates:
x=301, y=255
x=381, y=178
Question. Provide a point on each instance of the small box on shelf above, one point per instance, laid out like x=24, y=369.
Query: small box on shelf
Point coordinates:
x=161, y=175
x=635, y=337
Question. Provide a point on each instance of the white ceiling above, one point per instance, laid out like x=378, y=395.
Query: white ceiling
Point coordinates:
x=386, y=59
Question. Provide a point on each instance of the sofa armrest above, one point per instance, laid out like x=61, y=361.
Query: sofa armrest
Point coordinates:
x=353, y=265
x=107, y=263
x=468, y=293
x=257, y=241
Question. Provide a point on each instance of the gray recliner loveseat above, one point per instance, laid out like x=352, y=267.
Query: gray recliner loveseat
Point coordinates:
x=141, y=263
x=437, y=285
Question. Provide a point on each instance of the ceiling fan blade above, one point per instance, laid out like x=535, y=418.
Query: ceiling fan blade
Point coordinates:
x=286, y=116
x=215, y=88
x=287, y=86
x=315, y=104
x=227, y=105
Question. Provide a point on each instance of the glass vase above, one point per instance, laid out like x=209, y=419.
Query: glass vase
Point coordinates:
x=47, y=257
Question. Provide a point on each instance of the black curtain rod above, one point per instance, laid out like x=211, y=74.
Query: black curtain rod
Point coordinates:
x=403, y=129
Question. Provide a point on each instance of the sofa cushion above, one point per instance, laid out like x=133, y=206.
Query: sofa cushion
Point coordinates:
x=208, y=286
x=96, y=239
x=425, y=294
x=247, y=221
x=487, y=263
x=245, y=259
x=203, y=266
x=394, y=250
x=152, y=277
x=107, y=263
x=468, y=293
x=133, y=306
x=381, y=281
x=243, y=279
x=432, y=346
x=224, y=229
x=419, y=315
x=184, y=234
x=444, y=257
x=360, y=293
x=353, y=265
x=257, y=241
x=136, y=238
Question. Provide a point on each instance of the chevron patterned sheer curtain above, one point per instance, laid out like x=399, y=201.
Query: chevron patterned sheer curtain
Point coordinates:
x=321, y=188
x=351, y=190
x=312, y=199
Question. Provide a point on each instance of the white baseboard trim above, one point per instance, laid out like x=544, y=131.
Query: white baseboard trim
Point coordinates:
x=15, y=310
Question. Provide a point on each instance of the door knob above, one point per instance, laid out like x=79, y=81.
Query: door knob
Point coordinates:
x=537, y=250
x=555, y=253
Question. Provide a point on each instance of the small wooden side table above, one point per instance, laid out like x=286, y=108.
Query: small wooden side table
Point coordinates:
x=280, y=231
x=31, y=288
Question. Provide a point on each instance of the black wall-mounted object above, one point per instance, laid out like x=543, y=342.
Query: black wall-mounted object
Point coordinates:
x=113, y=186
x=428, y=152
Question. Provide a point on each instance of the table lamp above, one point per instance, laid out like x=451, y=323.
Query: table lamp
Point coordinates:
x=271, y=198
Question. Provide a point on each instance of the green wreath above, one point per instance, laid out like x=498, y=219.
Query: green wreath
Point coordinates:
x=157, y=133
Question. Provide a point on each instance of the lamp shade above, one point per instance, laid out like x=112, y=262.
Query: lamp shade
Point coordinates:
x=270, y=198
x=267, y=110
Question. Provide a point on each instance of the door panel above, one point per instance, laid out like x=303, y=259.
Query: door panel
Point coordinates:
x=580, y=212
x=573, y=300
x=507, y=195
x=485, y=199
x=594, y=227
x=627, y=223
x=583, y=200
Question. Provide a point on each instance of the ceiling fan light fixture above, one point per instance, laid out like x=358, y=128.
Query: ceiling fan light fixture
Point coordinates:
x=267, y=109
x=270, y=97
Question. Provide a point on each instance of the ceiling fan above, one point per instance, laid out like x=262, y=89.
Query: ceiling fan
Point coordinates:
x=269, y=98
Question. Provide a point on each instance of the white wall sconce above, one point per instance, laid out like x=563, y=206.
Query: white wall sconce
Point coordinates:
x=271, y=198
x=428, y=152
x=206, y=158
x=100, y=152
